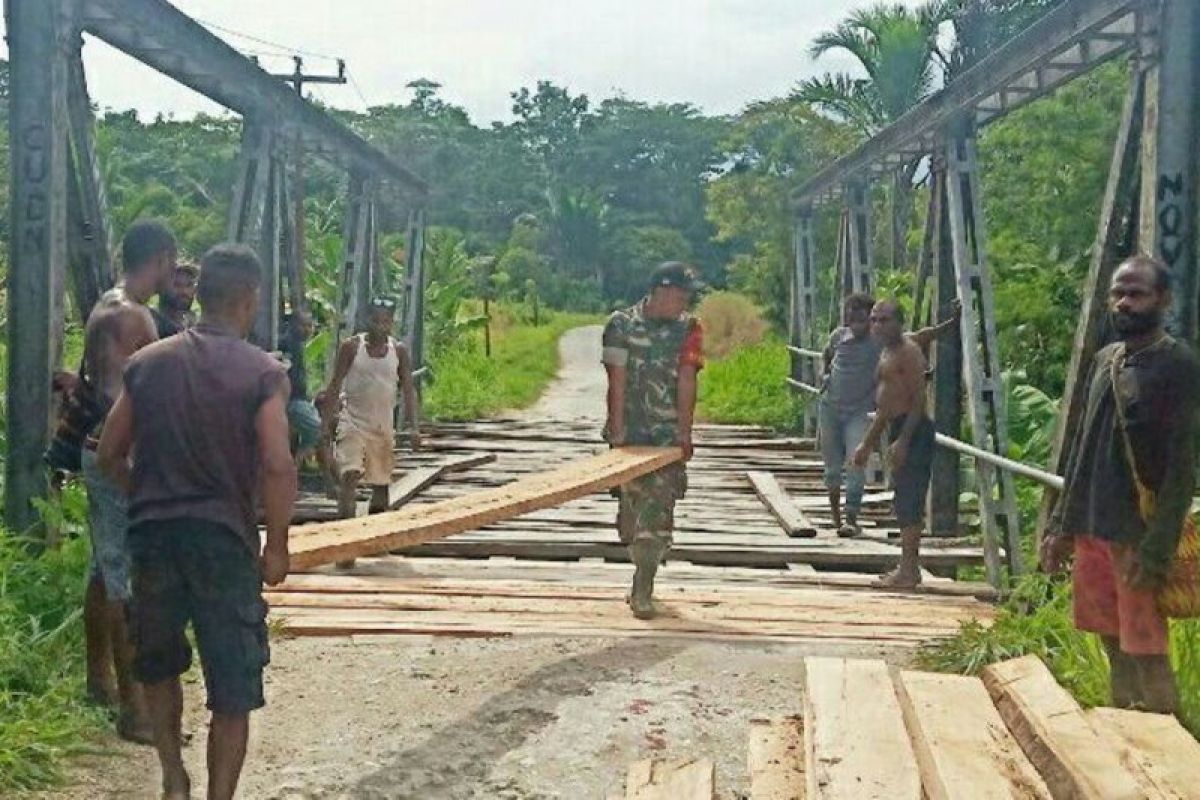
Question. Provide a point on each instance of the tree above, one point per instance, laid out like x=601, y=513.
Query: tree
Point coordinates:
x=897, y=49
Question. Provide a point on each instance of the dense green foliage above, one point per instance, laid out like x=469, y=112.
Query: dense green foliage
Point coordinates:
x=748, y=387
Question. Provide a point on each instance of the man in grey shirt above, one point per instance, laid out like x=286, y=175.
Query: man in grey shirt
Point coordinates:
x=847, y=398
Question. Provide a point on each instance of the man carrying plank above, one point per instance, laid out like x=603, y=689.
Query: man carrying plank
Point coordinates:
x=203, y=417
x=652, y=353
x=1136, y=442
x=900, y=410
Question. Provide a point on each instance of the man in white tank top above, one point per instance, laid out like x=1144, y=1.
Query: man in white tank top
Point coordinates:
x=360, y=404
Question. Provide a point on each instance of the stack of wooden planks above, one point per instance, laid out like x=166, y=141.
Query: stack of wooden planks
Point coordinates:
x=397, y=596
x=341, y=540
x=870, y=732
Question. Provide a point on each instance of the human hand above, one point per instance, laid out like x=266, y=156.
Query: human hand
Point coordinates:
x=275, y=564
x=898, y=455
x=861, y=454
x=685, y=444
x=956, y=309
x=614, y=436
x=1054, y=553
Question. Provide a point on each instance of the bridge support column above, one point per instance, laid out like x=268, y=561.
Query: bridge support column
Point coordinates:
x=946, y=360
x=414, y=288
x=860, y=257
x=804, y=312
x=355, y=279
x=39, y=46
x=985, y=389
x=1170, y=204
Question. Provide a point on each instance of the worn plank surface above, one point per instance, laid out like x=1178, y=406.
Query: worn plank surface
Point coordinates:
x=789, y=515
x=963, y=747
x=856, y=745
x=671, y=780
x=775, y=759
x=394, y=595
x=345, y=539
x=1157, y=744
x=1058, y=738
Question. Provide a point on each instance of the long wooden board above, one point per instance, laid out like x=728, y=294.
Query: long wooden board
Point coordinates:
x=1157, y=743
x=671, y=780
x=856, y=745
x=787, y=513
x=963, y=748
x=775, y=759
x=1056, y=735
x=347, y=539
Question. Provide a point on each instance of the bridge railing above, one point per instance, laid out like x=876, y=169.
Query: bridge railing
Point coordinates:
x=1029, y=471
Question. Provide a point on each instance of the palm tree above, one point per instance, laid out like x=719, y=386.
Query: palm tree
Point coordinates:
x=897, y=48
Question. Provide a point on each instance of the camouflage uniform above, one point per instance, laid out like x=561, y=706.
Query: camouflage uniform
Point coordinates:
x=651, y=350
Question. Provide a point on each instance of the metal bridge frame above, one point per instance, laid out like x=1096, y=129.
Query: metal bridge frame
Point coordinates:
x=1150, y=204
x=60, y=234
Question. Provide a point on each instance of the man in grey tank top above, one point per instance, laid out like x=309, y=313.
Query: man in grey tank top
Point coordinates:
x=847, y=397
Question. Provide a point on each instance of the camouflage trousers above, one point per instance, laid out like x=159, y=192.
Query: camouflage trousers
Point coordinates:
x=647, y=505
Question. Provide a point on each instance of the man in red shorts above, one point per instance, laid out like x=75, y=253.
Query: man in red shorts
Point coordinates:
x=1140, y=420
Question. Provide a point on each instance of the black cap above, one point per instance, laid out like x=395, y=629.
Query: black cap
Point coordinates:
x=675, y=273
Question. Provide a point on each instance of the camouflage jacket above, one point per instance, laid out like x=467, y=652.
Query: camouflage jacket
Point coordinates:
x=651, y=350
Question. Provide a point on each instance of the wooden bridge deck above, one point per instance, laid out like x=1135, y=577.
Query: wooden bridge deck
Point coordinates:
x=721, y=522
x=733, y=575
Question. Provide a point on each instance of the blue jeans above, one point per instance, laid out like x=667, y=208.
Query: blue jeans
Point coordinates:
x=108, y=523
x=840, y=436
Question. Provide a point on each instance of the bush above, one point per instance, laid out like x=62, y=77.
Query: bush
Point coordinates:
x=748, y=388
x=43, y=717
x=731, y=322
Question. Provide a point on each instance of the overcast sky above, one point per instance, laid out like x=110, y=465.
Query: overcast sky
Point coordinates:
x=717, y=54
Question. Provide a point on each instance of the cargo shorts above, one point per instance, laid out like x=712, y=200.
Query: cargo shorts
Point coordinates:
x=647, y=505
x=190, y=570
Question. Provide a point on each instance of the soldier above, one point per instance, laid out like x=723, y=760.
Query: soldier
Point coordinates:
x=652, y=354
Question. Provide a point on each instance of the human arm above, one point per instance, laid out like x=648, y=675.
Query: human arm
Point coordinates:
x=691, y=361
x=327, y=399
x=827, y=355
x=925, y=336
x=408, y=388
x=870, y=441
x=278, y=486
x=116, y=443
x=615, y=357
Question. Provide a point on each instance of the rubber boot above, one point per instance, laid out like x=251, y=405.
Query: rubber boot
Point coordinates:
x=1159, y=692
x=646, y=555
x=1126, y=690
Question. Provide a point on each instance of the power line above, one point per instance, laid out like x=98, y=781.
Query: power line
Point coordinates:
x=283, y=48
x=354, y=85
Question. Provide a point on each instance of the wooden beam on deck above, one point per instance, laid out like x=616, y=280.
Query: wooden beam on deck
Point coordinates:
x=351, y=538
x=786, y=512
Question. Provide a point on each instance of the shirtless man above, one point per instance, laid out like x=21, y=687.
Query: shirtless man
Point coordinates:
x=900, y=409
x=119, y=326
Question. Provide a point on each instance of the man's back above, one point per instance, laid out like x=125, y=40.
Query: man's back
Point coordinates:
x=116, y=329
x=195, y=397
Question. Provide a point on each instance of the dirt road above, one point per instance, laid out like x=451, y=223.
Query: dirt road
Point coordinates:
x=496, y=718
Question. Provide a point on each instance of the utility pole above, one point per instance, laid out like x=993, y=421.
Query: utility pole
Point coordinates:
x=297, y=77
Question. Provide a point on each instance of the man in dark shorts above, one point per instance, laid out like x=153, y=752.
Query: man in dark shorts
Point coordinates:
x=900, y=410
x=1139, y=426
x=204, y=416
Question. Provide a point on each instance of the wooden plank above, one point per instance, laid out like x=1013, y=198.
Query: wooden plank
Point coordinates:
x=671, y=780
x=1056, y=735
x=786, y=513
x=856, y=745
x=413, y=483
x=346, y=539
x=464, y=463
x=1161, y=747
x=963, y=748
x=776, y=759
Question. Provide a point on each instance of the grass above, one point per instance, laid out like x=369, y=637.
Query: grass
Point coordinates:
x=747, y=387
x=469, y=385
x=1037, y=620
x=43, y=717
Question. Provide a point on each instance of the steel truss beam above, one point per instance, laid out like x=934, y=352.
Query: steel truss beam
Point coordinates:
x=804, y=312
x=1069, y=41
x=159, y=35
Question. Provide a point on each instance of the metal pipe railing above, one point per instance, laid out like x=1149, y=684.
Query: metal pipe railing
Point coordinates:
x=1016, y=467
x=804, y=351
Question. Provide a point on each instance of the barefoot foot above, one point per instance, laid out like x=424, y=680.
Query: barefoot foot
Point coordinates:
x=131, y=728
x=900, y=578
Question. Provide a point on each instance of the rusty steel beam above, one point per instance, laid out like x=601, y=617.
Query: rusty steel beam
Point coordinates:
x=1069, y=41
x=161, y=36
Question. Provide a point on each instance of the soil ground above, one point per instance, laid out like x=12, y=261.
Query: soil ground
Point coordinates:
x=504, y=719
